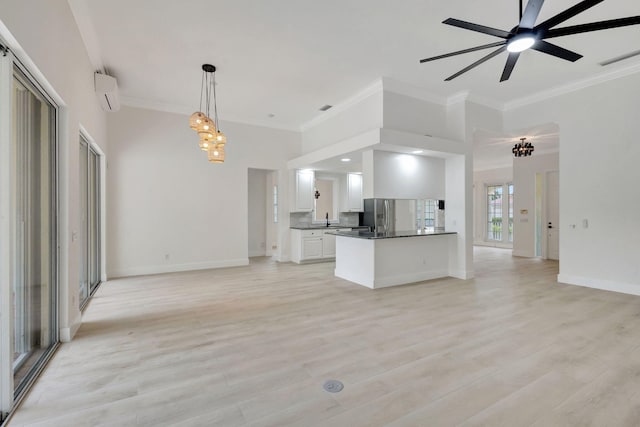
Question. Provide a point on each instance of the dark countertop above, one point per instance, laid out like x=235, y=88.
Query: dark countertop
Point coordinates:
x=324, y=227
x=359, y=234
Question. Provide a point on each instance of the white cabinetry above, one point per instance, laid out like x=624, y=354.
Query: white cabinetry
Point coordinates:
x=313, y=245
x=328, y=245
x=303, y=191
x=354, y=193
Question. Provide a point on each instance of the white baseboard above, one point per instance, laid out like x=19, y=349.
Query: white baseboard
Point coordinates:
x=257, y=253
x=493, y=245
x=67, y=334
x=462, y=274
x=172, y=268
x=400, y=279
x=524, y=254
x=605, y=285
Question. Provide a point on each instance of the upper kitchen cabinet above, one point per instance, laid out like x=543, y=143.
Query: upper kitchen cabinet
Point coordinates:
x=353, y=196
x=303, y=191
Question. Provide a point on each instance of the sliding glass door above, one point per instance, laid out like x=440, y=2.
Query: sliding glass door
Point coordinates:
x=90, y=256
x=33, y=249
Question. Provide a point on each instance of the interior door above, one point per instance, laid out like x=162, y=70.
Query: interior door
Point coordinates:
x=553, y=214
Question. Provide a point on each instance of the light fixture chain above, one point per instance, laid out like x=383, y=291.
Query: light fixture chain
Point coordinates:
x=215, y=103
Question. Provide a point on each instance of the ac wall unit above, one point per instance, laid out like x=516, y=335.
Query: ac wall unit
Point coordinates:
x=107, y=92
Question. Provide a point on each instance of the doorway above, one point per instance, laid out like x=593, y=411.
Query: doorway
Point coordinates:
x=548, y=215
x=553, y=214
x=262, y=215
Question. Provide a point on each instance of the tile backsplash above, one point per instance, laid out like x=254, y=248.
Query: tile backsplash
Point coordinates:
x=303, y=219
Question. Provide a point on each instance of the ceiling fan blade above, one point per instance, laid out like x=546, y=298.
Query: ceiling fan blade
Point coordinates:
x=567, y=14
x=557, y=51
x=460, y=52
x=508, y=68
x=531, y=13
x=476, y=27
x=478, y=62
x=593, y=26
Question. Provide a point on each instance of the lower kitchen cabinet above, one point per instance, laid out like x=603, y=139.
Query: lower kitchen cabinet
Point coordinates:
x=313, y=245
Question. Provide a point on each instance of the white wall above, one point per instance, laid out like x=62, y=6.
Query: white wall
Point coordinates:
x=167, y=199
x=407, y=176
x=44, y=36
x=402, y=112
x=599, y=177
x=257, y=212
x=480, y=181
x=524, y=199
x=347, y=121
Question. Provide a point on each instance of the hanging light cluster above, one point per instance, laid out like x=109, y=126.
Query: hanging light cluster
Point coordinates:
x=212, y=140
x=522, y=148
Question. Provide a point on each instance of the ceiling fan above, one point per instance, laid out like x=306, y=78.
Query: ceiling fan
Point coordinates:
x=528, y=35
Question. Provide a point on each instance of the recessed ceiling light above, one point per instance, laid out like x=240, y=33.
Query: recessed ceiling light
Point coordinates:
x=325, y=107
x=417, y=152
x=345, y=160
x=271, y=115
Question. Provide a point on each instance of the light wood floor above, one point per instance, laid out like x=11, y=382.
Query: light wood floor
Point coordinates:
x=253, y=346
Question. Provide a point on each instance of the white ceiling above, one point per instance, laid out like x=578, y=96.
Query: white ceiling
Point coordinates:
x=290, y=57
x=492, y=150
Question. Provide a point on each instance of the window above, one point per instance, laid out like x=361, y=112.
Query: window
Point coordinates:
x=500, y=217
x=425, y=213
x=510, y=189
x=275, y=204
x=494, y=212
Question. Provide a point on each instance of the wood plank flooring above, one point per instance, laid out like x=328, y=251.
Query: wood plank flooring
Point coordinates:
x=252, y=346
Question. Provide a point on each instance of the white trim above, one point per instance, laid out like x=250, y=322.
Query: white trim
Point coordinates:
x=67, y=334
x=461, y=274
x=407, y=89
x=487, y=102
x=572, y=87
x=522, y=253
x=344, y=105
x=407, y=279
x=161, y=269
x=147, y=104
x=6, y=298
x=605, y=285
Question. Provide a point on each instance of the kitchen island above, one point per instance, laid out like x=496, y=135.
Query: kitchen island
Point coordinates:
x=378, y=260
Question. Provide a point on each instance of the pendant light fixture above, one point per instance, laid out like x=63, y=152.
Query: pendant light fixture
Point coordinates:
x=212, y=140
x=522, y=148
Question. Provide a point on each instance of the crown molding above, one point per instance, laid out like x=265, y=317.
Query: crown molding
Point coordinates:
x=407, y=89
x=344, y=105
x=187, y=111
x=573, y=87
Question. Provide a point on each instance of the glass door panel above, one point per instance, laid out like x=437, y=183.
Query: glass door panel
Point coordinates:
x=34, y=278
x=94, y=220
x=82, y=233
x=90, y=254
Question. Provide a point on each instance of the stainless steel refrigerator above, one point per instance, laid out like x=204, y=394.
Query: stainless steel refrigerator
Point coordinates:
x=379, y=215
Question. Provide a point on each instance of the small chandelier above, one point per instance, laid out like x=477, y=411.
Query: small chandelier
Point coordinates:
x=212, y=140
x=522, y=148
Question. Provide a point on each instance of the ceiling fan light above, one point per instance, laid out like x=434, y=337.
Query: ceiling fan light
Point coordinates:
x=520, y=44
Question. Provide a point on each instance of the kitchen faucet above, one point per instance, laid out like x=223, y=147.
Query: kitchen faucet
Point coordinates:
x=327, y=217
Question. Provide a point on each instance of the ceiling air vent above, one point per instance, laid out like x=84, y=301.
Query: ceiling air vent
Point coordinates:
x=325, y=107
x=620, y=58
